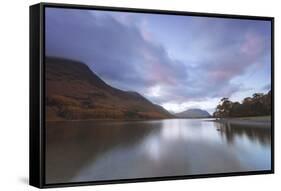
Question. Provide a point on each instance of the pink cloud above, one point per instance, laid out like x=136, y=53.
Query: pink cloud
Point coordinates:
x=252, y=45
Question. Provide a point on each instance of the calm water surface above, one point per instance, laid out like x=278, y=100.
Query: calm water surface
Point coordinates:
x=106, y=150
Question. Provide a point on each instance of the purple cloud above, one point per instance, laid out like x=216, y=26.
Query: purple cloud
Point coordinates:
x=128, y=53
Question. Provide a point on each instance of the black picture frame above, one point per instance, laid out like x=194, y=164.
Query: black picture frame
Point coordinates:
x=37, y=92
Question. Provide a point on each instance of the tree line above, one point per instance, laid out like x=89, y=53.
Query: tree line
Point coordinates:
x=257, y=105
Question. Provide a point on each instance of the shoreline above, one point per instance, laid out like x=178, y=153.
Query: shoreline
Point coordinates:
x=261, y=122
x=114, y=120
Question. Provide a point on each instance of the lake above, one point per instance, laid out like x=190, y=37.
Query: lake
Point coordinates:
x=107, y=150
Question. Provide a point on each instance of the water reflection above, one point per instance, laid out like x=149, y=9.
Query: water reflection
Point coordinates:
x=262, y=135
x=72, y=145
x=86, y=151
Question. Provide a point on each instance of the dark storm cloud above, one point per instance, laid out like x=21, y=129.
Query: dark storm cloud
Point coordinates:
x=125, y=55
x=117, y=53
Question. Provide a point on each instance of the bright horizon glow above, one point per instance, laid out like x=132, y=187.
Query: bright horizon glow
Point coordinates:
x=209, y=105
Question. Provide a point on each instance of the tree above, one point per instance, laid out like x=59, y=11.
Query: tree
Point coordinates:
x=223, y=109
x=257, y=105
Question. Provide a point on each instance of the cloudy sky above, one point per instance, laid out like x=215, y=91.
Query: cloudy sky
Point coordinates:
x=179, y=62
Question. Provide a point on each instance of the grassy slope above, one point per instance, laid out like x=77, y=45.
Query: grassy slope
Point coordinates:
x=74, y=92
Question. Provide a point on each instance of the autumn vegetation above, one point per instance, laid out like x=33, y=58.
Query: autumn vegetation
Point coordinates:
x=74, y=92
x=257, y=105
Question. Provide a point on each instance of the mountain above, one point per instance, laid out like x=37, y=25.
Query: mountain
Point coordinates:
x=74, y=92
x=193, y=113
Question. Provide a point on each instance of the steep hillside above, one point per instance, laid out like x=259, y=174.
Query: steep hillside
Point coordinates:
x=74, y=92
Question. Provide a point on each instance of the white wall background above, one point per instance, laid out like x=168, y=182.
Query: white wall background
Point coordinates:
x=14, y=93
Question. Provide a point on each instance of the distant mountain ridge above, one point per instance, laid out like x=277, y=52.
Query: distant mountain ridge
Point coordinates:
x=193, y=113
x=74, y=92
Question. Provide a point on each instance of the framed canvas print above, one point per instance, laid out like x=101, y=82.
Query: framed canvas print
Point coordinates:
x=126, y=95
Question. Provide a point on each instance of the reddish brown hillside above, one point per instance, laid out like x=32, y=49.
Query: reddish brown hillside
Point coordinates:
x=74, y=92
